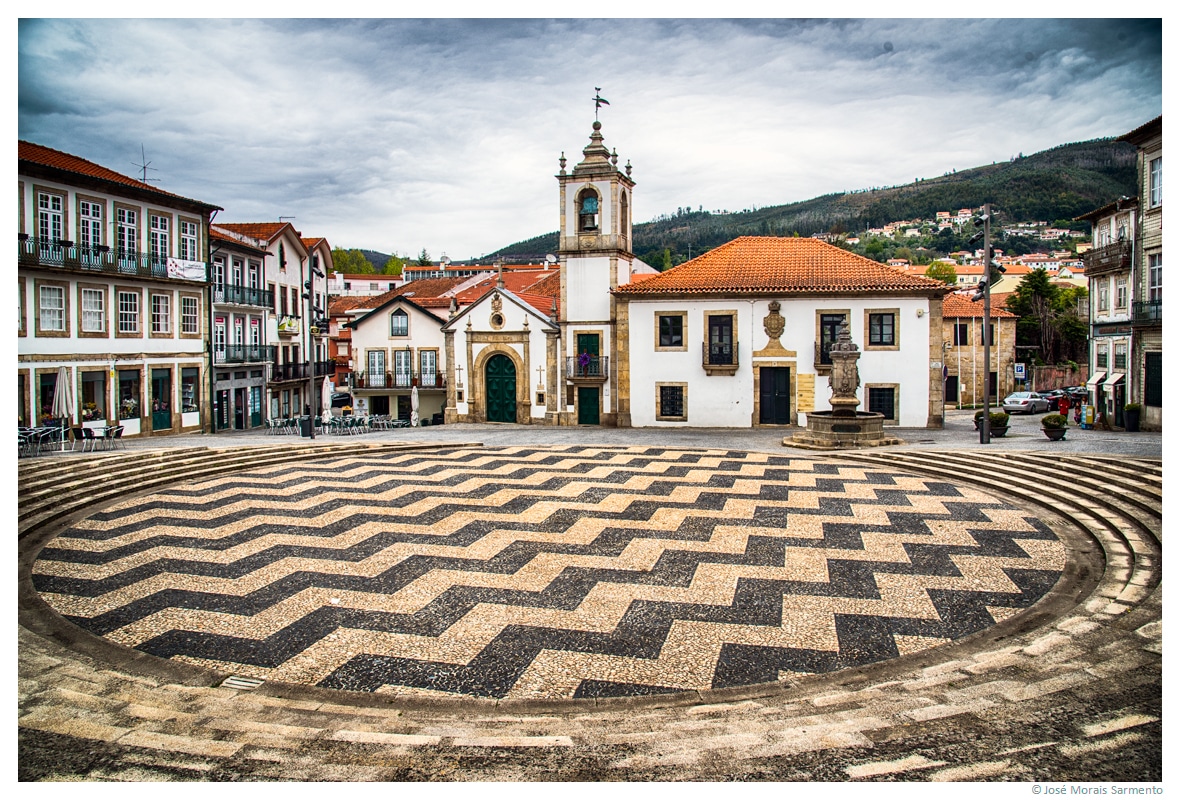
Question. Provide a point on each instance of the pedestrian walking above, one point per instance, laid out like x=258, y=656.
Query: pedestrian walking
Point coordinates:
x=1063, y=405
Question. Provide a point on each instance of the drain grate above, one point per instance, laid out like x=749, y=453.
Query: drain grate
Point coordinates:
x=239, y=682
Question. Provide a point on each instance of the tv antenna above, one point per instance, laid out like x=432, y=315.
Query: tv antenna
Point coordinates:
x=145, y=165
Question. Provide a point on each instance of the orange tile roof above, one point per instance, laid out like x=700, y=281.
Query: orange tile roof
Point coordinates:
x=218, y=236
x=310, y=243
x=426, y=292
x=48, y=157
x=256, y=230
x=517, y=282
x=772, y=265
x=956, y=305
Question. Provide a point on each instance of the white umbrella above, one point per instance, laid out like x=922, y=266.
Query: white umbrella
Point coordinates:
x=414, y=407
x=326, y=399
x=63, y=401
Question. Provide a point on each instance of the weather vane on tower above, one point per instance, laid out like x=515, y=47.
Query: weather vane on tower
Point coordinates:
x=599, y=101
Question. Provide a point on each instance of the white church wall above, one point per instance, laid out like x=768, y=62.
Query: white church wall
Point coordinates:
x=587, y=290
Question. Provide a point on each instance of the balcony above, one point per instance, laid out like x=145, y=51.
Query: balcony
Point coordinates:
x=244, y=354
x=295, y=371
x=719, y=359
x=104, y=260
x=243, y=295
x=322, y=368
x=587, y=368
x=397, y=380
x=1111, y=258
x=289, y=326
x=1147, y=312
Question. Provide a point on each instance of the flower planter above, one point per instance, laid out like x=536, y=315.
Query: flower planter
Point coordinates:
x=999, y=430
x=1054, y=434
x=1131, y=420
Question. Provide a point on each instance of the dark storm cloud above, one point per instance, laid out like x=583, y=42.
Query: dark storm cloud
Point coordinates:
x=399, y=134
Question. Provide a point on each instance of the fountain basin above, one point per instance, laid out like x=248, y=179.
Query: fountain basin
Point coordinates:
x=829, y=431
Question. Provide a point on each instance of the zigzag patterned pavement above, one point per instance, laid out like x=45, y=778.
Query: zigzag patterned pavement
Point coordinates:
x=548, y=572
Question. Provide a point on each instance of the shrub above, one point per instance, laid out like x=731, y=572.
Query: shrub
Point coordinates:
x=1053, y=421
x=998, y=419
x=1133, y=407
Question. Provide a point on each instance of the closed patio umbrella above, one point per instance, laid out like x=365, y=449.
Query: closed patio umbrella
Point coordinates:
x=326, y=399
x=63, y=401
x=414, y=407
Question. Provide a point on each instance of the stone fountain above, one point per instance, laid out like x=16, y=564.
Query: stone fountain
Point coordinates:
x=843, y=427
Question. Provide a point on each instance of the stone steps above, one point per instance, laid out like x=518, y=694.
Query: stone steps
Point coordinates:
x=47, y=493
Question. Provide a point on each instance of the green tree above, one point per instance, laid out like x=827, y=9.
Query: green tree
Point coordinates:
x=424, y=258
x=1048, y=317
x=393, y=266
x=351, y=262
x=941, y=271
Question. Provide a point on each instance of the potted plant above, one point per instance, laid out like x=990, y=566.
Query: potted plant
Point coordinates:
x=978, y=418
x=998, y=423
x=1054, y=426
x=1131, y=417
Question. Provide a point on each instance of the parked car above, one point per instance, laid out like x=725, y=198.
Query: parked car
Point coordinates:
x=1053, y=394
x=1078, y=391
x=1025, y=403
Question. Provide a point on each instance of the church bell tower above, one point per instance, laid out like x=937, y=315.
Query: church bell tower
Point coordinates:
x=594, y=250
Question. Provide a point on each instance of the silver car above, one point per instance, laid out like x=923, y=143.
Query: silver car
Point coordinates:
x=1025, y=403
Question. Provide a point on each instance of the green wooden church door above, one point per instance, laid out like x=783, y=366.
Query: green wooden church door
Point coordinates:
x=500, y=382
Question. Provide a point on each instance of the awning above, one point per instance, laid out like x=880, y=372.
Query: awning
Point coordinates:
x=1114, y=378
x=1096, y=378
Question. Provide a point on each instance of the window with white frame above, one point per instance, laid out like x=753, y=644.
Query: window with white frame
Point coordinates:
x=161, y=313
x=1120, y=293
x=219, y=272
x=128, y=229
x=1101, y=357
x=89, y=223
x=399, y=323
x=128, y=312
x=189, y=316
x=188, y=240
x=53, y=308
x=94, y=310
x=1155, y=277
x=1103, y=295
x=255, y=331
x=427, y=367
x=158, y=229
x=50, y=217
x=1120, y=355
x=236, y=272
x=1156, y=182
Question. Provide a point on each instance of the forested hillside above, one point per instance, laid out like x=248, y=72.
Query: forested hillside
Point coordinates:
x=1056, y=184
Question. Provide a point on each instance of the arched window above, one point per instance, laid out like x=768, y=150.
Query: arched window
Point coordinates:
x=624, y=215
x=588, y=210
x=399, y=323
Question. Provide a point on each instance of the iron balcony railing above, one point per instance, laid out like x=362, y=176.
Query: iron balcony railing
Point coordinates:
x=243, y=295
x=244, y=353
x=586, y=366
x=397, y=380
x=294, y=371
x=1147, y=311
x=103, y=259
x=716, y=354
x=324, y=368
x=1108, y=258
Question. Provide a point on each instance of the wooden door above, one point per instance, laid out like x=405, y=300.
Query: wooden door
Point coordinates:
x=500, y=384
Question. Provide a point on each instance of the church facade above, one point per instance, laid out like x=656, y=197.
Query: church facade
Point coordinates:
x=737, y=337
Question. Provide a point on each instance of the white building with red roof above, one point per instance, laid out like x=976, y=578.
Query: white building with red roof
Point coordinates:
x=740, y=336
x=112, y=292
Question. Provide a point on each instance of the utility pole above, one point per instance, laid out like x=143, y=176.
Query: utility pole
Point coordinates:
x=985, y=430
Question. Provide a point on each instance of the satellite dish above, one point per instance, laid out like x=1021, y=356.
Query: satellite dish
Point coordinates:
x=551, y=259
x=444, y=261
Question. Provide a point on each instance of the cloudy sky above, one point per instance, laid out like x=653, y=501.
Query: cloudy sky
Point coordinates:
x=444, y=134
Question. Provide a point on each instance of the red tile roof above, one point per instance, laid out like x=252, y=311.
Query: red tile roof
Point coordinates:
x=771, y=265
x=426, y=292
x=48, y=157
x=256, y=230
x=956, y=305
x=517, y=282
